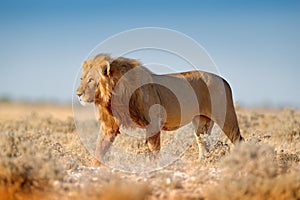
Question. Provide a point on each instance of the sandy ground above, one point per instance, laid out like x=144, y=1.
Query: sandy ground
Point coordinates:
x=43, y=157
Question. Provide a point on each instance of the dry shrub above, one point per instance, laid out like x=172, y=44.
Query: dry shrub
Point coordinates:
x=114, y=188
x=251, y=171
x=249, y=159
x=57, y=125
x=119, y=190
x=287, y=162
x=27, y=164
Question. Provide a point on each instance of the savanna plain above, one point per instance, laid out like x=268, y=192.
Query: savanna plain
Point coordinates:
x=43, y=157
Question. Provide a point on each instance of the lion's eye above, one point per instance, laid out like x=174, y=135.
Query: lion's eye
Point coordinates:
x=90, y=80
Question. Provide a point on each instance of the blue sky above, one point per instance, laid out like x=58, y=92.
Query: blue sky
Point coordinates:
x=255, y=44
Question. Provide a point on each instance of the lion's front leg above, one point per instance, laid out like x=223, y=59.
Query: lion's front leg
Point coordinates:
x=103, y=144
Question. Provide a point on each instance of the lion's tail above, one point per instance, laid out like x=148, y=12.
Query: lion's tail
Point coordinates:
x=231, y=125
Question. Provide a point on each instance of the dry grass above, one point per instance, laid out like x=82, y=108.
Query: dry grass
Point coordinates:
x=42, y=157
x=254, y=171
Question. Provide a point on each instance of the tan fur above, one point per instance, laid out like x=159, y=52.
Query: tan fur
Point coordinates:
x=103, y=83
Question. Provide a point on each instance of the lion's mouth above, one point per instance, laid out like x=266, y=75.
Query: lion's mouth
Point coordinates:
x=84, y=103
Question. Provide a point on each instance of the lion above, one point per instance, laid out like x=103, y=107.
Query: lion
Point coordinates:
x=128, y=94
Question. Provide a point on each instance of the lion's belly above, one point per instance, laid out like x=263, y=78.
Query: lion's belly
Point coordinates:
x=177, y=118
x=180, y=106
x=182, y=98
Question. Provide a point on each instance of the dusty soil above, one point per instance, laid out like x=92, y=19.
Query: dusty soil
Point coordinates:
x=42, y=157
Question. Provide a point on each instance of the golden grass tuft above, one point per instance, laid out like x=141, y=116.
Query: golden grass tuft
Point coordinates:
x=251, y=171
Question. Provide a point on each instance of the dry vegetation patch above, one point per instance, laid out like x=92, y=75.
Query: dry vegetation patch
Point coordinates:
x=253, y=171
x=42, y=157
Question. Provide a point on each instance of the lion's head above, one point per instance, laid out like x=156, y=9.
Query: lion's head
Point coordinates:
x=99, y=76
x=92, y=71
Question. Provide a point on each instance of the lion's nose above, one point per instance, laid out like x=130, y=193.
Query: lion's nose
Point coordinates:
x=79, y=94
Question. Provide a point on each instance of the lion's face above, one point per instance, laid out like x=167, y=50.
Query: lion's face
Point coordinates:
x=100, y=75
x=88, y=85
x=93, y=71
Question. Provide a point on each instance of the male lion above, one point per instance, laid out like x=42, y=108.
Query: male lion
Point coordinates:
x=129, y=95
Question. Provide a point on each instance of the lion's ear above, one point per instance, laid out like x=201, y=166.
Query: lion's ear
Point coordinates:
x=106, y=69
x=84, y=64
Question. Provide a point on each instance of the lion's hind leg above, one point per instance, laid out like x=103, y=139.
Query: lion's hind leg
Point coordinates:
x=154, y=143
x=202, y=125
